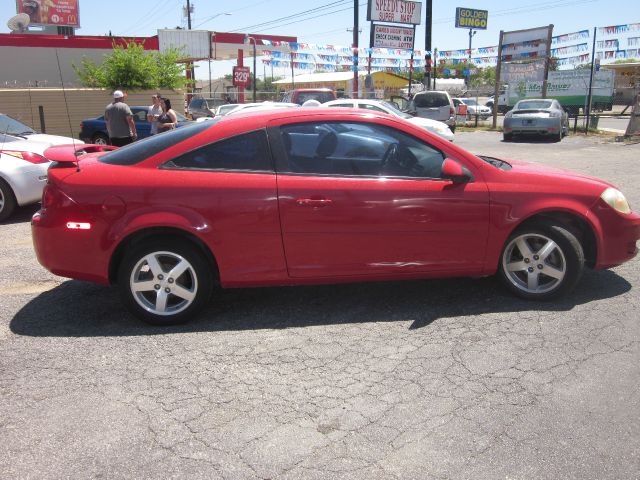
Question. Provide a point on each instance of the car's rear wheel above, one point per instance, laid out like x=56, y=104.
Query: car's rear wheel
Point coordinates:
x=7, y=200
x=507, y=137
x=541, y=261
x=165, y=282
x=100, y=139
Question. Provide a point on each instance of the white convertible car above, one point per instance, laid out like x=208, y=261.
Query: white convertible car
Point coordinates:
x=23, y=168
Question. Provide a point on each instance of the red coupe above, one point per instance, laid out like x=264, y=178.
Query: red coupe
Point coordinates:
x=316, y=196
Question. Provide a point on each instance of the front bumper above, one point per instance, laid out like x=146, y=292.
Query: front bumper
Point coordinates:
x=619, y=236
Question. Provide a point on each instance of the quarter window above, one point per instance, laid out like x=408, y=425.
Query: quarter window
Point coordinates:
x=357, y=149
x=249, y=151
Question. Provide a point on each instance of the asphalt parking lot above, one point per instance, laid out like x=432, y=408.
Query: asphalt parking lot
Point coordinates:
x=416, y=380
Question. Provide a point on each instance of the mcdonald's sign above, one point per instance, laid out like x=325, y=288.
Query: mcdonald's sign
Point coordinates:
x=63, y=13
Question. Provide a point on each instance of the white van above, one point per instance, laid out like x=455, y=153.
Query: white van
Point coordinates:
x=436, y=105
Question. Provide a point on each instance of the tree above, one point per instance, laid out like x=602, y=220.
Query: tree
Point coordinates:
x=133, y=68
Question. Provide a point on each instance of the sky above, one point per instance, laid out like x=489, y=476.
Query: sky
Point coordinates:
x=330, y=19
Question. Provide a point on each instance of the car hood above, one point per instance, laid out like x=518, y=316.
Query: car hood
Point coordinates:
x=550, y=175
x=427, y=122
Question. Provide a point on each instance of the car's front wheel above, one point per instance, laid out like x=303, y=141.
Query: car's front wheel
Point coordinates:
x=541, y=261
x=165, y=282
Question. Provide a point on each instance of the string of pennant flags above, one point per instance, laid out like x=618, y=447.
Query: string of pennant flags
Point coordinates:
x=570, y=49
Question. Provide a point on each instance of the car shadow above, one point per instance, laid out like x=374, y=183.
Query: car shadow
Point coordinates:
x=78, y=309
x=22, y=214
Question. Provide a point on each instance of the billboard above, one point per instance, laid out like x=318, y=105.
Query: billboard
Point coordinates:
x=63, y=13
x=388, y=36
x=471, y=18
x=394, y=11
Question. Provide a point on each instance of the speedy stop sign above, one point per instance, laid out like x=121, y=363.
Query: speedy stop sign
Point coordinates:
x=471, y=18
x=241, y=77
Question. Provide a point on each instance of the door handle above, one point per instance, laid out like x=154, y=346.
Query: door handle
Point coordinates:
x=313, y=202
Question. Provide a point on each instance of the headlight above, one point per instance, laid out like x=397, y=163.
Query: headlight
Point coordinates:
x=615, y=199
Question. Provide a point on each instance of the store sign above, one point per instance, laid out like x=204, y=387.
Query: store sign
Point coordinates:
x=62, y=13
x=516, y=72
x=471, y=18
x=241, y=77
x=387, y=36
x=394, y=11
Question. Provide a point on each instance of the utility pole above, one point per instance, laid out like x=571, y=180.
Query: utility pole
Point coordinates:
x=355, y=48
x=191, y=68
x=427, y=43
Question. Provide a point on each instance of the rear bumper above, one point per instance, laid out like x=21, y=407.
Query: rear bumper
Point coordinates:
x=535, y=126
x=77, y=254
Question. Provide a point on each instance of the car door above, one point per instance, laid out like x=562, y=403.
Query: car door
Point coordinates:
x=143, y=127
x=359, y=198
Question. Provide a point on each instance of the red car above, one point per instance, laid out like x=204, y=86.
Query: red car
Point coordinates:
x=316, y=196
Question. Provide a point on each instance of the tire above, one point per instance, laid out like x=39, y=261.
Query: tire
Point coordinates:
x=7, y=200
x=541, y=261
x=452, y=128
x=507, y=137
x=100, y=139
x=558, y=137
x=143, y=285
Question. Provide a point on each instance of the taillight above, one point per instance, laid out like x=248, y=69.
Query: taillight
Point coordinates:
x=81, y=125
x=48, y=196
x=452, y=111
x=28, y=156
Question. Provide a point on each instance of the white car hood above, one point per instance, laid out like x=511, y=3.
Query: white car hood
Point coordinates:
x=51, y=140
x=434, y=126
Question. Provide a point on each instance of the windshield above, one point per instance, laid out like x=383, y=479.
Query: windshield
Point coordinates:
x=533, y=105
x=431, y=100
x=12, y=126
x=469, y=101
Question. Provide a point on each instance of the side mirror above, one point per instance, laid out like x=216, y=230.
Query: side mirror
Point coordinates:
x=452, y=170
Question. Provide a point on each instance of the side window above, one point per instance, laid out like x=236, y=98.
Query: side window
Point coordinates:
x=357, y=149
x=249, y=152
x=139, y=116
x=364, y=106
x=342, y=105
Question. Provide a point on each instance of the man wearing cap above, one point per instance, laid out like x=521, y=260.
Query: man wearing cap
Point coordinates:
x=120, y=124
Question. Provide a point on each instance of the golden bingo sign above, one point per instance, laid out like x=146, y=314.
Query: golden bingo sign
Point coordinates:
x=471, y=18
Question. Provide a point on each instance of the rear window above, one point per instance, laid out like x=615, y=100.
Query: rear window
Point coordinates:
x=141, y=150
x=322, y=97
x=533, y=105
x=431, y=100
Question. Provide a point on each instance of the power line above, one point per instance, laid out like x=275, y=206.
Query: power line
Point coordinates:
x=305, y=12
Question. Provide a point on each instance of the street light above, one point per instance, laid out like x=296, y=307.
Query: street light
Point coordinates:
x=247, y=41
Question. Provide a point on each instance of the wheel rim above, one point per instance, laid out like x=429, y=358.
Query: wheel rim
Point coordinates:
x=534, y=263
x=163, y=283
x=99, y=141
x=1, y=200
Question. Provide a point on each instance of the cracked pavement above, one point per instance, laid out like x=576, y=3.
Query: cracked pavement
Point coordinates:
x=429, y=379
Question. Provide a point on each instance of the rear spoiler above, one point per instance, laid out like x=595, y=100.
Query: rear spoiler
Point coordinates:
x=71, y=153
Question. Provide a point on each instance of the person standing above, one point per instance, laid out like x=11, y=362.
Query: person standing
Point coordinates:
x=154, y=113
x=168, y=119
x=119, y=119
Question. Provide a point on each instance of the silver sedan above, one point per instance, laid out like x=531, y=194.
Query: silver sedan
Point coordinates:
x=536, y=117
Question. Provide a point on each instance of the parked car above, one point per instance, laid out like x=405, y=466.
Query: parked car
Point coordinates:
x=544, y=117
x=389, y=108
x=222, y=110
x=306, y=196
x=473, y=108
x=23, y=172
x=200, y=107
x=12, y=130
x=434, y=104
x=23, y=167
x=260, y=106
x=301, y=95
x=94, y=130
